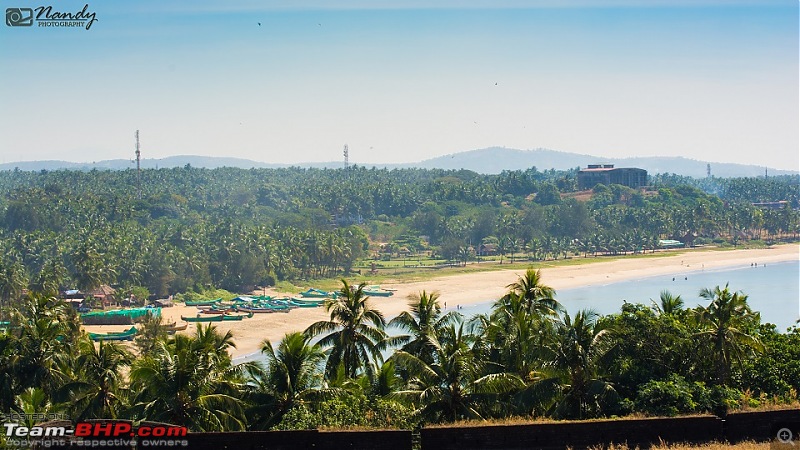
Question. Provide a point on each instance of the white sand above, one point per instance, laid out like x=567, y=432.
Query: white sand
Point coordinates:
x=478, y=287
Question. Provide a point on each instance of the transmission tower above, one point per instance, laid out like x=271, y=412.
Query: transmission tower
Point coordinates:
x=138, y=167
x=346, y=157
x=708, y=170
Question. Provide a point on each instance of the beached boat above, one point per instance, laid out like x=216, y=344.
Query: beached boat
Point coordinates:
x=126, y=335
x=377, y=287
x=305, y=303
x=173, y=327
x=267, y=309
x=205, y=318
x=317, y=293
x=203, y=302
x=237, y=316
x=377, y=292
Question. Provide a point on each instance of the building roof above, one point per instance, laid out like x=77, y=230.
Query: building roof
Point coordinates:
x=104, y=289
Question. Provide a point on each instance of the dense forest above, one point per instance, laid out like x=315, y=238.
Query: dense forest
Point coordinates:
x=527, y=358
x=189, y=229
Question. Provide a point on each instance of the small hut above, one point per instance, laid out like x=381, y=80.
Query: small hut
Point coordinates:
x=104, y=294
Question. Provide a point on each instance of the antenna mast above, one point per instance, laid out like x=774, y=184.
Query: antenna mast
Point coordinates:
x=138, y=168
x=346, y=157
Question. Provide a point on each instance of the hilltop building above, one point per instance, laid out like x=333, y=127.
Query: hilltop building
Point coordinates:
x=596, y=174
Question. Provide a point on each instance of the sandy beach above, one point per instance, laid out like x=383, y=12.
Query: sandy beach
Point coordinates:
x=479, y=287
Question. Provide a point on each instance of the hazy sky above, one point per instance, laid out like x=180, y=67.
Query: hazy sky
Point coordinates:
x=404, y=81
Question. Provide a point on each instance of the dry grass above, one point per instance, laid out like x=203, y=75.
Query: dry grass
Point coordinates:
x=747, y=445
x=538, y=420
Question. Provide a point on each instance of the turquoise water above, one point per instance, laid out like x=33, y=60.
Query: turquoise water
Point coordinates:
x=773, y=290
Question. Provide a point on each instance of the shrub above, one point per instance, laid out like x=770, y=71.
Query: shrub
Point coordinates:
x=665, y=397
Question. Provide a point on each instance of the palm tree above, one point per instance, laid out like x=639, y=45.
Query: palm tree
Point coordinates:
x=580, y=345
x=34, y=402
x=423, y=322
x=670, y=304
x=94, y=391
x=47, y=331
x=12, y=281
x=185, y=381
x=455, y=385
x=724, y=325
x=291, y=377
x=516, y=337
x=539, y=298
x=355, y=330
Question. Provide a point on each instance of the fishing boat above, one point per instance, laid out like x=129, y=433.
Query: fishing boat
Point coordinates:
x=377, y=292
x=213, y=311
x=172, y=328
x=126, y=335
x=376, y=287
x=316, y=293
x=205, y=318
x=203, y=302
x=266, y=309
x=237, y=316
x=303, y=303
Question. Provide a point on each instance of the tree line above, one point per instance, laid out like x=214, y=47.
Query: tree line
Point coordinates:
x=192, y=229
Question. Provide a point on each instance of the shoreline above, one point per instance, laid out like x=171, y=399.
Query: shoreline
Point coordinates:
x=480, y=287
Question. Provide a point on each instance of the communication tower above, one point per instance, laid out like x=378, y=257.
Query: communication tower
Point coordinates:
x=138, y=167
x=346, y=157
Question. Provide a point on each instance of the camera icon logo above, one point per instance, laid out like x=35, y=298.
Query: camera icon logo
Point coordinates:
x=19, y=17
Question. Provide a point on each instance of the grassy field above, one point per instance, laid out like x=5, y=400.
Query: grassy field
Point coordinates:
x=393, y=271
x=414, y=269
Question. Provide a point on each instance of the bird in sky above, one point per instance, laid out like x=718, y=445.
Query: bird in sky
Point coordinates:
x=259, y=23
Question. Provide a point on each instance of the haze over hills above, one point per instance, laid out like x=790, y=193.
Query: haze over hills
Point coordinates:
x=488, y=161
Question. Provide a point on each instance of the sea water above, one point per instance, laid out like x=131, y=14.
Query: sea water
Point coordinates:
x=771, y=289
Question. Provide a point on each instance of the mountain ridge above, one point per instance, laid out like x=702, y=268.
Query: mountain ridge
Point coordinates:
x=489, y=160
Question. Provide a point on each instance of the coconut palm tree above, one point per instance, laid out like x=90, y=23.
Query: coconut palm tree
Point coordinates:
x=12, y=281
x=292, y=376
x=455, y=385
x=423, y=321
x=47, y=332
x=539, y=298
x=669, y=304
x=724, y=325
x=355, y=332
x=579, y=346
x=514, y=337
x=185, y=382
x=94, y=390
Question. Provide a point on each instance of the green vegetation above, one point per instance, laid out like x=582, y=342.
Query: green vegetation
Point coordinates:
x=527, y=358
x=197, y=230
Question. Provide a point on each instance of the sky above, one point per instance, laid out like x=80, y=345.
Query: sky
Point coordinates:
x=294, y=81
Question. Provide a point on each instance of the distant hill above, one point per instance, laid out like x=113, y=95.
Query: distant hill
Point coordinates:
x=488, y=161
x=497, y=159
